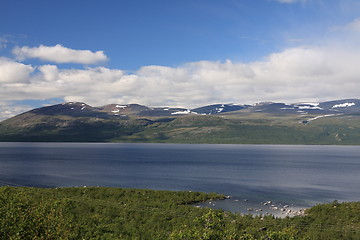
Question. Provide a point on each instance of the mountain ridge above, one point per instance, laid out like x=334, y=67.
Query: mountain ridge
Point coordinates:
x=332, y=122
x=83, y=109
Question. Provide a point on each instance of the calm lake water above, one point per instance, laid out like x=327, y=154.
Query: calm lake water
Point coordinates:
x=300, y=175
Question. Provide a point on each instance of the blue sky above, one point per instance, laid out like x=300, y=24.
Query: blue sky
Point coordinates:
x=176, y=53
x=138, y=33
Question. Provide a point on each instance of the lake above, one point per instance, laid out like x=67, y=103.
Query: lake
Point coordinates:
x=297, y=175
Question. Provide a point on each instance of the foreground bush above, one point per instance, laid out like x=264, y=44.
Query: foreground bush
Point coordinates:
x=113, y=213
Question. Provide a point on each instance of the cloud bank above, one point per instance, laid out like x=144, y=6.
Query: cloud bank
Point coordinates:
x=303, y=73
x=60, y=54
x=296, y=74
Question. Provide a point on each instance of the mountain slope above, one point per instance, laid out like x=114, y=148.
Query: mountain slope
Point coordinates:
x=335, y=122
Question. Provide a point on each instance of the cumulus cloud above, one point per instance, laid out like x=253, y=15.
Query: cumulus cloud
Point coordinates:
x=60, y=54
x=14, y=72
x=296, y=74
x=49, y=72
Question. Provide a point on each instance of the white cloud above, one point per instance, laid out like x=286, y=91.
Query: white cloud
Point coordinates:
x=14, y=72
x=60, y=54
x=9, y=109
x=49, y=72
x=353, y=26
x=311, y=73
x=296, y=74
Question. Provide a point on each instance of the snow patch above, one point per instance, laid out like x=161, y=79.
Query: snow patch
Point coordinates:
x=327, y=115
x=310, y=107
x=115, y=111
x=121, y=106
x=343, y=105
x=183, y=112
x=311, y=104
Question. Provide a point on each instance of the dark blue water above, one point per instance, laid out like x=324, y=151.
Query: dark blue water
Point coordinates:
x=303, y=175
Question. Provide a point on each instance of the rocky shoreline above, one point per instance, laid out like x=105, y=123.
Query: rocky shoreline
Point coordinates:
x=253, y=207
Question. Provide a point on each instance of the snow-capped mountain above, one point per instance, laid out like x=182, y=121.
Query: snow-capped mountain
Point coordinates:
x=266, y=122
x=330, y=107
x=78, y=109
x=218, y=108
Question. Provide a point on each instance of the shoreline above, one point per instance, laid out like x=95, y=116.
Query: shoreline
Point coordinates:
x=245, y=207
x=184, y=143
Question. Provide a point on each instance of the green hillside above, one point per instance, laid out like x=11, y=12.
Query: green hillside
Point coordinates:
x=112, y=213
x=235, y=127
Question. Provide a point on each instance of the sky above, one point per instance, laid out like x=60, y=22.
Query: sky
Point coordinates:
x=177, y=53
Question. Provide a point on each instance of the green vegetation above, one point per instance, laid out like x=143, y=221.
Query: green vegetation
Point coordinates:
x=249, y=128
x=113, y=213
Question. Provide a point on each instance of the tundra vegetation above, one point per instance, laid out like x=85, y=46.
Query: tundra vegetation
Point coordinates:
x=114, y=213
x=268, y=123
x=224, y=129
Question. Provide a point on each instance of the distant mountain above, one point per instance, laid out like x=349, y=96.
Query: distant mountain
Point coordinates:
x=342, y=106
x=218, y=108
x=330, y=107
x=78, y=109
x=331, y=122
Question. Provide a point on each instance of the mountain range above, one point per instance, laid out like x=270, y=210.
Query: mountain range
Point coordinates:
x=331, y=122
x=79, y=109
